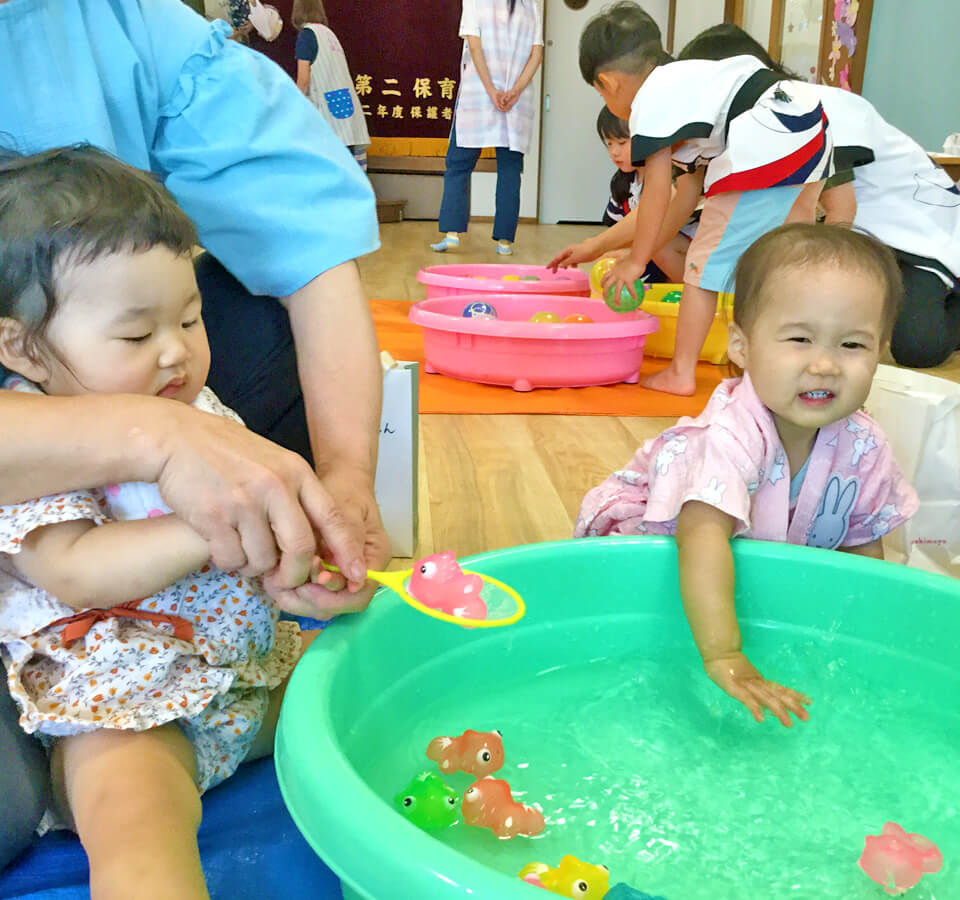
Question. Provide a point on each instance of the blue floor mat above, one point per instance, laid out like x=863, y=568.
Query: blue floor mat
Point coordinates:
x=250, y=848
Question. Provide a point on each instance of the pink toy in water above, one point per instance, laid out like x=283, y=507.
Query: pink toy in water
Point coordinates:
x=476, y=752
x=898, y=860
x=438, y=582
x=489, y=803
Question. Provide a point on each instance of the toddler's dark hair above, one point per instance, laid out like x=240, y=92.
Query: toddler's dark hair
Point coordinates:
x=726, y=40
x=801, y=244
x=74, y=205
x=620, y=38
x=611, y=126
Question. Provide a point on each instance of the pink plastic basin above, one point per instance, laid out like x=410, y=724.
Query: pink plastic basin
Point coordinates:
x=448, y=281
x=514, y=351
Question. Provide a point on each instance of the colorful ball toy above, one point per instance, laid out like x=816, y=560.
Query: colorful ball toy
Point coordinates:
x=671, y=297
x=479, y=310
x=511, y=278
x=597, y=273
x=529, y=277
x=626, y=303
x=576, y=319
x=545, y=316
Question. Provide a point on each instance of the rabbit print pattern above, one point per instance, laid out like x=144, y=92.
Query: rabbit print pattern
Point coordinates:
x=730, y=457
x=830, y=526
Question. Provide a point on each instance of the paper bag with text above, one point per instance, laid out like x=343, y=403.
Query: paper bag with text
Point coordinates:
x=396, y=484
x=920, y=415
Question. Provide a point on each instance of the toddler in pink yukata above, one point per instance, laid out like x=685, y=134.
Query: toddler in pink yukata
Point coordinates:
x=782, y=453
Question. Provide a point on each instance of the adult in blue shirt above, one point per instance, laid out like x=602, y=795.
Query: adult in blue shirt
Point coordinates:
x=283, y=211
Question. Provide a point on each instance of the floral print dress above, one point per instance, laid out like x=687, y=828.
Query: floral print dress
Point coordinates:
x=204, y=652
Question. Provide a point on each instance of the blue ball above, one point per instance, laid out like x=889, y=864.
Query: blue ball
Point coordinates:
x=479, y=310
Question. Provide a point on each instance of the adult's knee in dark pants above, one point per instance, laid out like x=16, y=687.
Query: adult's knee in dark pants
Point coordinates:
x=24, y=782
x=921, y=348
x=253, y=367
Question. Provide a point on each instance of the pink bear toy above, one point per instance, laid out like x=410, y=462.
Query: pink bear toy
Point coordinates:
x=898, y=860
x=476, y=752
x=489, y=803
x=438, y=581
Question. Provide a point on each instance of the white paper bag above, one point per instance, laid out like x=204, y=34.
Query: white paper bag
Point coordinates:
x=396, y=484
x=920, y=415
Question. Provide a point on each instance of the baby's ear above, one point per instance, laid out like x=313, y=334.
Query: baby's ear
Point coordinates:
x=737, y=345
x=18, y=352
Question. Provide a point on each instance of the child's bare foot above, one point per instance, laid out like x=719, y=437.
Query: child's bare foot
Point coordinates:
x=670, y=382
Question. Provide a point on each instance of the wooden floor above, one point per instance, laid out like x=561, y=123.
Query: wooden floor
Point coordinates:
x=495, y=481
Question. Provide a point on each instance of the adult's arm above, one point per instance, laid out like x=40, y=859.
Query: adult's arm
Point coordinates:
x=255, y=503
x=281, y=202
x=480, y=64
x=342, y=382
x=303, y=76
x=510, y=96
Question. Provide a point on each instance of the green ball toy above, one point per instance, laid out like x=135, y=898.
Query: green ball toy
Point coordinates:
x=672, y=297
x=626, y=302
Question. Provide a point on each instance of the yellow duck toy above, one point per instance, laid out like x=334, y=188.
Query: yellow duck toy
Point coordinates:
x=572, y=878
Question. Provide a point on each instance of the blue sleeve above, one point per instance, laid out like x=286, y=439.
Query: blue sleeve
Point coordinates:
x=273, y=192
x=307, y=46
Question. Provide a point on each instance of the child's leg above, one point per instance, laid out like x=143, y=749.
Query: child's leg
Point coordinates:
x=134, y=802
x=694, y=318
x=672, y=257
x=263, y=743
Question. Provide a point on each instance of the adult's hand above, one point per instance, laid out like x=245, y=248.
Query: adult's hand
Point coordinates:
x=260, y=507
x=508, y=99
x=329, y=594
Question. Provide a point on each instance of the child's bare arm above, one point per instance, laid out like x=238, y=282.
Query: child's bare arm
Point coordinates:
x=617, y=236
x=840, y=204
x=651, y=210
x=706, y=588
x=85, y=565
x=689, y=189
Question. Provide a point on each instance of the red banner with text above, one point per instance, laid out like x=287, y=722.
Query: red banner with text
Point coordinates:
x=405, y=60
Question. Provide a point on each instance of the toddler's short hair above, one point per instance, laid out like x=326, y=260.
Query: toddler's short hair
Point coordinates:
x=622, y=38
x=74, y=205
x=611, y=126
x=801, y=244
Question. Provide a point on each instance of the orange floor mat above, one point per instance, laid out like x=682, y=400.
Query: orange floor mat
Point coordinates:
x=439, y=394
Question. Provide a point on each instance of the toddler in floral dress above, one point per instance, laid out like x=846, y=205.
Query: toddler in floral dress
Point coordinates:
x=148, y=673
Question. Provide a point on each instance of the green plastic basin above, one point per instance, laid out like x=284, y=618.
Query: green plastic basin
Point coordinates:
x=586, y=600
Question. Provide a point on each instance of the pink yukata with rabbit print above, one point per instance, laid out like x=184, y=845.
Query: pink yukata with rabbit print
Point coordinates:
x=731, y=457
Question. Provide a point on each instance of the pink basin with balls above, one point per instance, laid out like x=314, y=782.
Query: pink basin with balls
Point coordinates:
x=512, y=350
x=487, y=278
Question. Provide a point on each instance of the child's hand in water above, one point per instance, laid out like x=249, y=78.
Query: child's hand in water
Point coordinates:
x=737, y=676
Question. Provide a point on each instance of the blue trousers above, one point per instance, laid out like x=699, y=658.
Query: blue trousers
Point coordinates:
x=455, y=206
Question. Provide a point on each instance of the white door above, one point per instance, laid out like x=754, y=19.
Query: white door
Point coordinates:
x=574, y=167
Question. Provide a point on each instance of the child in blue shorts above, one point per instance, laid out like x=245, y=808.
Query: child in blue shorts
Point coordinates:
x=756, y=145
